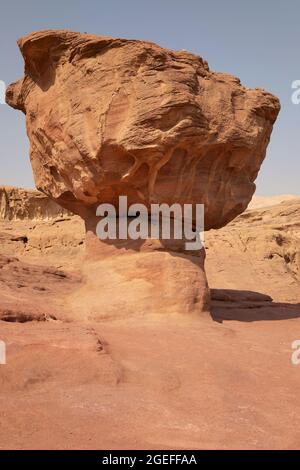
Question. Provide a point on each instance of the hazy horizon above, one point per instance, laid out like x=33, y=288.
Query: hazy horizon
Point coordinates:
x=254, y=41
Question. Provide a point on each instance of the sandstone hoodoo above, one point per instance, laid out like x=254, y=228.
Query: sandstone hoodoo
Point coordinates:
x=114, y=117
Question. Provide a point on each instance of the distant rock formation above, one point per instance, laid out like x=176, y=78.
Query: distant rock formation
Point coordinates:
x=109, y=117
x=20, y=204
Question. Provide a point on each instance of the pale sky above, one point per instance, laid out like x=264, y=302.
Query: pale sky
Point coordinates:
x=257, y=40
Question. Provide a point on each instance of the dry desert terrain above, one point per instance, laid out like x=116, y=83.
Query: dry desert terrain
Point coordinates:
x=218, y=381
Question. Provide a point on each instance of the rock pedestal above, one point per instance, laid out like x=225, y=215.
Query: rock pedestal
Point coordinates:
x=113, y=117
x=125, y=277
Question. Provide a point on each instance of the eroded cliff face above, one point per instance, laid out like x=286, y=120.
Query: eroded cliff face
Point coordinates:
x=36, y=229
x=109, y=117
x=27, y=204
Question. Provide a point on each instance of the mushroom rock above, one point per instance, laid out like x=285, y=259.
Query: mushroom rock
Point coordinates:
x=111, y=117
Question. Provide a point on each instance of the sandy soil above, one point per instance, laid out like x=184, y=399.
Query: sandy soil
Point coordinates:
x=221, y=381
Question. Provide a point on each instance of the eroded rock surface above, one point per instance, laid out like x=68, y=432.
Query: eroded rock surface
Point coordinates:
x=112, y=116
x=27, y=204
x=152, y=381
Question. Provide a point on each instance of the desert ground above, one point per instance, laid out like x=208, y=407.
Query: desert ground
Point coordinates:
x=218, y=381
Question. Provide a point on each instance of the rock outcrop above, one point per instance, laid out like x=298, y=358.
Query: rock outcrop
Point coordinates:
x=109, y=117
x=152, y=382
x=27, y=204
x=261, y=247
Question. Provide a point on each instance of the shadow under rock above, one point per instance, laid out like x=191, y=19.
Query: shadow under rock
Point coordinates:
x=248, y=306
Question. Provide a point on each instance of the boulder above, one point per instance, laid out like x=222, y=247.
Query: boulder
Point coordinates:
x=111, y=117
